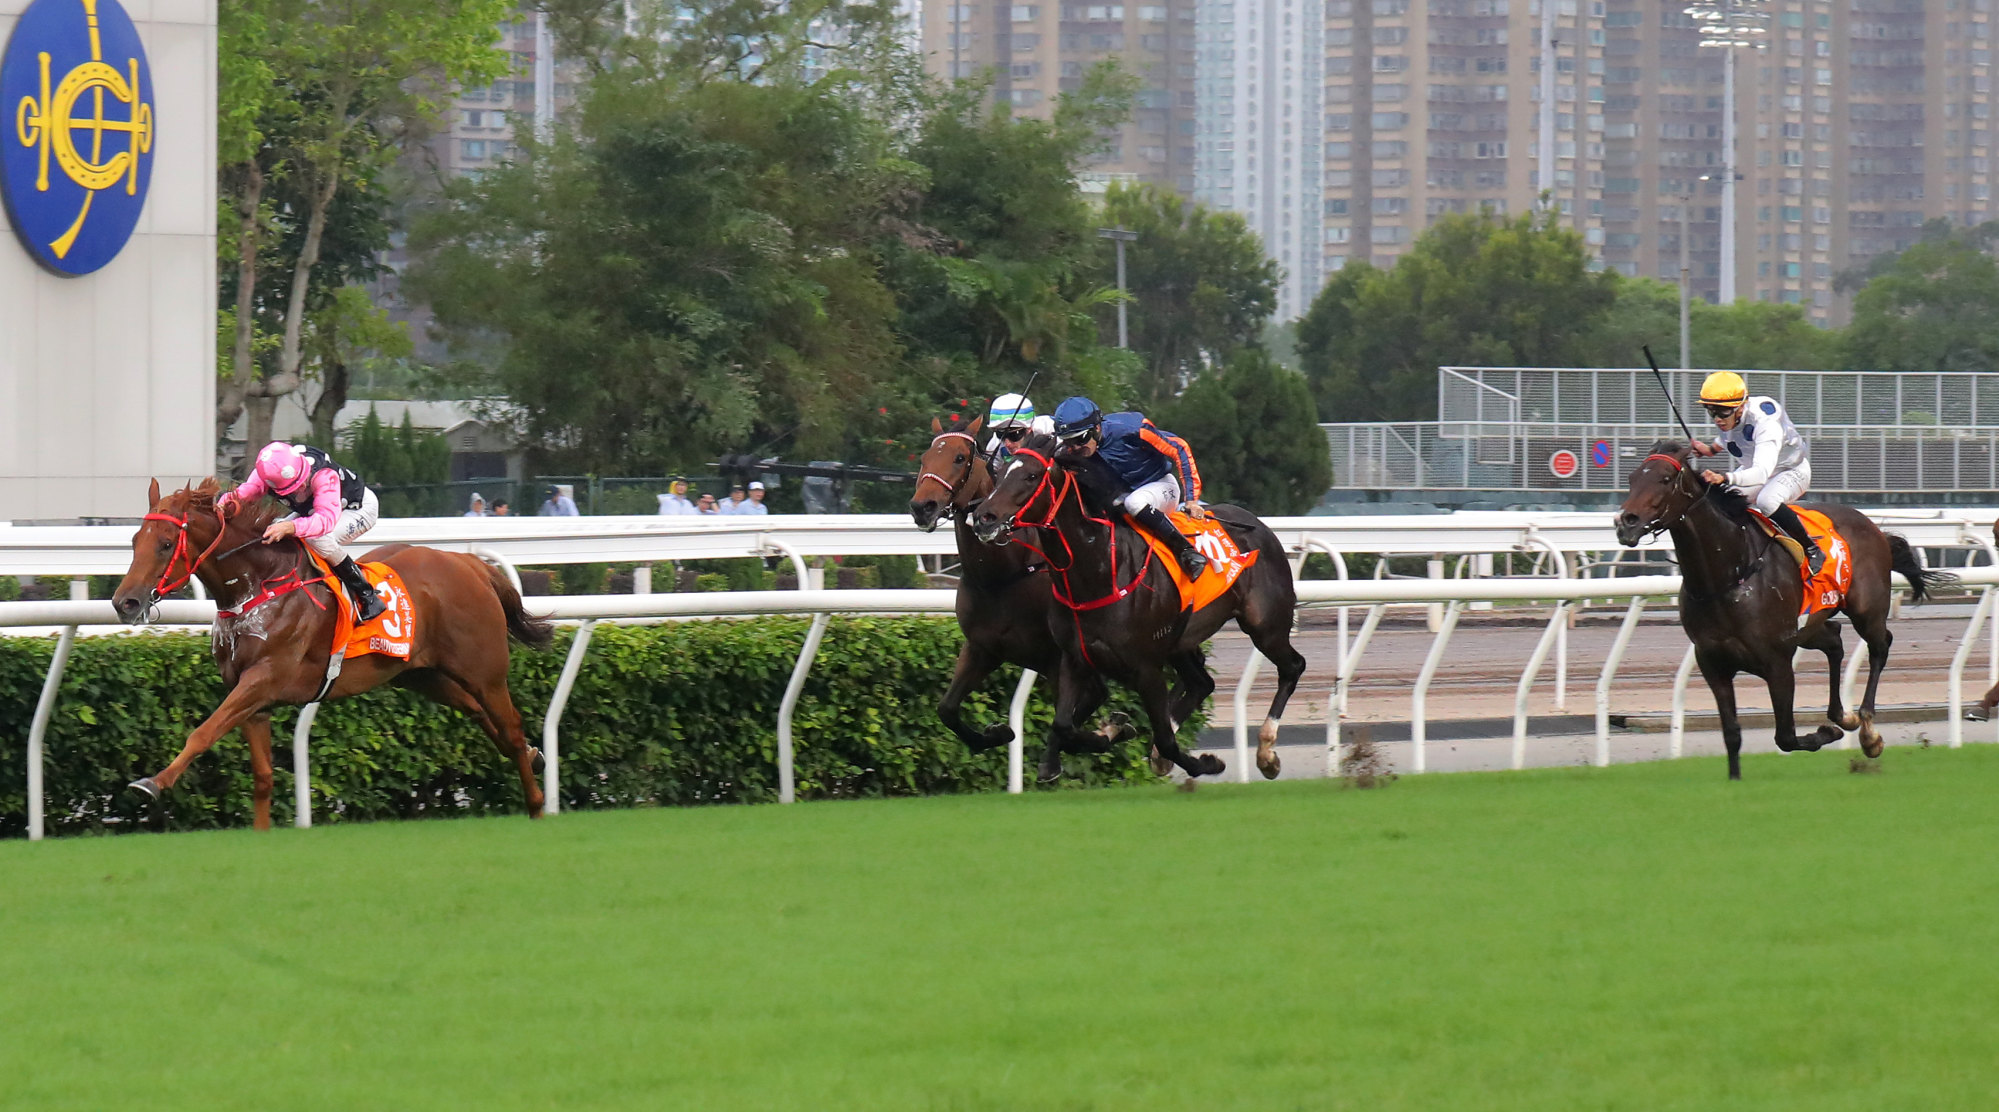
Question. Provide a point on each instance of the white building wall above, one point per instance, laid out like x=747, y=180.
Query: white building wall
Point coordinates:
x=108, y=380
x=1258, y=117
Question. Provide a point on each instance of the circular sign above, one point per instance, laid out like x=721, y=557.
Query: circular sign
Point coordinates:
x=1599, y=454
x=76, y=132
x=1564, y=464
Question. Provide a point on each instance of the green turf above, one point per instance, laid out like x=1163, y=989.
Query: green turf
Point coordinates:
x=1644, y=937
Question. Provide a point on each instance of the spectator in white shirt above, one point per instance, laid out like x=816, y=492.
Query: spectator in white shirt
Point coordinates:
x=674, y=501
x=706, y=505
x=477, y=507
x=755, y=503
x=737, y=500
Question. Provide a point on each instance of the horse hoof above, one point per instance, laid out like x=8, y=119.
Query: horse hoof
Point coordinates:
x=145, y=787
x=1270, y=768
x=1161, y=767
x=1849, y=721
x=1978, y=713
x=996, y=735
x=1212, y=765
x=1871, y=744
x=540, y=762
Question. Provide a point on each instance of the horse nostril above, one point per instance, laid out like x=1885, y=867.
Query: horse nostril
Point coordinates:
x=1628, y=518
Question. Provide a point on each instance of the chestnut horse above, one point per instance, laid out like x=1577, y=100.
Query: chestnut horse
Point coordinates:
x=1741, y=593
x=1120, y=610
x=273, y=635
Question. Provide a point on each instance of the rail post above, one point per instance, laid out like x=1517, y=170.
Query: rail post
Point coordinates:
x=302, y=766
x=1680, y=677
x=1957, y=663
x=1557, y=621
x=551, y=723
x=1016, y=717
x=786, y=786
x=1335, y=718
x=1604, y=681
x=1535, y=539
x=1418, y=701
x=38, y=728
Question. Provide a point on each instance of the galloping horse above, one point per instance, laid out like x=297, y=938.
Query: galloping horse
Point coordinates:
x=1123, y=615
x=274, y=632
x=1004, y=606
x=1741, y=594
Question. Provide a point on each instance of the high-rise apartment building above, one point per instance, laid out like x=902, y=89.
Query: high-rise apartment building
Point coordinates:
x=1433, y=107
x=1856, y=121
x=1035, y=52
x=1258, y=112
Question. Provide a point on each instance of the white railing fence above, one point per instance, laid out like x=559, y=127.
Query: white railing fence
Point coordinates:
x=1377, y=595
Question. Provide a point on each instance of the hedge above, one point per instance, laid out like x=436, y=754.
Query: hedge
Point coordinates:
x=674, y=714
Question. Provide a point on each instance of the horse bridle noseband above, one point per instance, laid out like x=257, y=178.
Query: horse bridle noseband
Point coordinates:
x=162, y=588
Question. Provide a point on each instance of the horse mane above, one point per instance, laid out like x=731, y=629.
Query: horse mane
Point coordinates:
x=1729, y=500
x=247, y=518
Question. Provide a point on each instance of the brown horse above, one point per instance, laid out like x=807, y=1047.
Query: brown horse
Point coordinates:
x=273, y=634
x=1121, y=613
x=1741, y=593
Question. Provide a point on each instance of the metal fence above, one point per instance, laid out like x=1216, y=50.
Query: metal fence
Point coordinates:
x=1626, y=396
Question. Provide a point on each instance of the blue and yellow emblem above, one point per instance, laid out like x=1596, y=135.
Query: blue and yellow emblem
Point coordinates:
x=76, y=131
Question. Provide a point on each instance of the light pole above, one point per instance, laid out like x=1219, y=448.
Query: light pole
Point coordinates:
x=1122, y=237
x=1726, y=25
x=1545, y=188
x=1686, y=286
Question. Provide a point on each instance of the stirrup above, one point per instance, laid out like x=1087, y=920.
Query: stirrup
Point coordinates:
x=1814, y=559
x=1192, y=561
x=367, y=605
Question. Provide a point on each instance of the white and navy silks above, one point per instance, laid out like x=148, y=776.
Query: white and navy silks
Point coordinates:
x=1771, y=464
x=997, y=450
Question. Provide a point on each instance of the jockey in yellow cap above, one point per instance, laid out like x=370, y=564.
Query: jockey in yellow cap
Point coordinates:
x=1772, y=467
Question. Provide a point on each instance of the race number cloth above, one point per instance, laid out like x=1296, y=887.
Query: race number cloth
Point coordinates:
x=1828, y=588
x=391, y=633
x=1226, y=561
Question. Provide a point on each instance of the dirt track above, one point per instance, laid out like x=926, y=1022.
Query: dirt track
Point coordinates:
x=1482, y=666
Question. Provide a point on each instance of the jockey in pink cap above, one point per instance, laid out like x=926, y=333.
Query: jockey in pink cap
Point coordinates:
x=330, y=506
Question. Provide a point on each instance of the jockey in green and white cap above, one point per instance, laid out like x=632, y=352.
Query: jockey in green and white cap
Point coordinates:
x=1010, y=418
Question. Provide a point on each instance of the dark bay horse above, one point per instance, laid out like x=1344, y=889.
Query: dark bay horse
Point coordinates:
x=1120, y=610
x=275, y=650
x=1741, y=595
x=1004, y=604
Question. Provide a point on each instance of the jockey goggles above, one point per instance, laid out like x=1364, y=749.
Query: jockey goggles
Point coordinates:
x=1718, y=410
x=1013, y=434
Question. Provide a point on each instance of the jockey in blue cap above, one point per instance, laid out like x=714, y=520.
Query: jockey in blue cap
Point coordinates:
x=1155, y=466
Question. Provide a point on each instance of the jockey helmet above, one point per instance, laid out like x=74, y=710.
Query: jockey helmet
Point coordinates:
x=282, y=466
x=1724, y=388
x=1008, y=410
x=1076, y=418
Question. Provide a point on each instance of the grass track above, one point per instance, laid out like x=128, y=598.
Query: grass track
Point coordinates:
x=1642, y=937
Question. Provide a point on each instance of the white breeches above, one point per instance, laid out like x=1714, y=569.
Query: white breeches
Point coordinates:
x=1160, y=494
x=1783, y=487
x=350, y=524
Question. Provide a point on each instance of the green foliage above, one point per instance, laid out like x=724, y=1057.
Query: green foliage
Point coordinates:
x=681, y=713
x=1256, y=435
x=1929, y=308
x=387, y=459
x=1746, y=335
x=1200, y=284
x=1478, y=290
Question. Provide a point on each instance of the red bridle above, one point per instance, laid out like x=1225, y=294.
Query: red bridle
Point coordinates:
x=1064, y=594
x=182, y=552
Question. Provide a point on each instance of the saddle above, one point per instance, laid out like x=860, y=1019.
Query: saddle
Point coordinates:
x=1226, y=559
x=391, y=633
x=1827, y=589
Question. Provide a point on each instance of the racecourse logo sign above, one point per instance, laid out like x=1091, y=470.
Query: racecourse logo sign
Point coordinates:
x=76, y=132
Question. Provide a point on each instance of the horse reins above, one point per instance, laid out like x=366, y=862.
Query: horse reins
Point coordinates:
x=1658, y=526
x=285, y=582
x=1064, y=594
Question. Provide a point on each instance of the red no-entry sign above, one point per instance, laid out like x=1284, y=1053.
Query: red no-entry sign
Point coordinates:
x=1563, y=464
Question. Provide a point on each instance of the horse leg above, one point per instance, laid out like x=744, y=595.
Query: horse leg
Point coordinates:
x=254, y=691
x=1074, y=684
x=1720, y=679
x=1783, y=683
x=1273, y=640
x=1874, y=630
x=1196, y=684
x=493, y=709
x=1158, y=700
x=1828, y=641
x=975, y=663
x=257, y=731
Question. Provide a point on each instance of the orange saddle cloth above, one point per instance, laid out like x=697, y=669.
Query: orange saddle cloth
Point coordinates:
x=1226, y=562
x=1828, y=588
x=391, y=633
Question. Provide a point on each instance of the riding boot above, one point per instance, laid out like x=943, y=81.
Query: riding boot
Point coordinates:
x=1185, y=554
x=367, y=604
x=1787, y=519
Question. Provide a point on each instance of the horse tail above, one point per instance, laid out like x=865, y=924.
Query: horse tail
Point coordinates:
x=536, y=633
x=1923, y=581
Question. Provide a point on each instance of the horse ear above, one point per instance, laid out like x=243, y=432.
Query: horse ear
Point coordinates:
x=153, y=494
x=978, y=423
x=936, y=426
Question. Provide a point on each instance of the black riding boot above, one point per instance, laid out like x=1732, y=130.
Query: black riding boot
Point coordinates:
x=1159, y=525
x=1788, y=520
x=367, y=604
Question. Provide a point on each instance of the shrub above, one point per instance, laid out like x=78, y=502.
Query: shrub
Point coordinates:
x=677, y=713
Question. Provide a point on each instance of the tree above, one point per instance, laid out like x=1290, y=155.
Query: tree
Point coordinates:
x=1255, y=435
x=1201, y=286
x=1929, y=308
x=311, y=93
x=1747, y=335
x=1474, y=290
